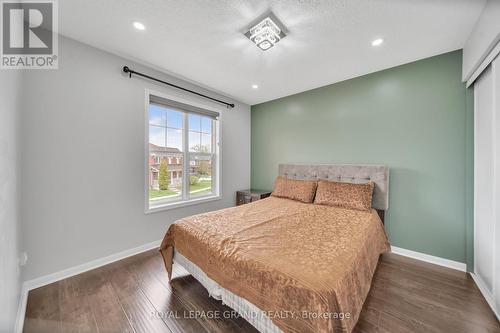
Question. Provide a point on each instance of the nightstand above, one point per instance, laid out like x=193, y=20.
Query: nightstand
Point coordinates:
x=247, y=196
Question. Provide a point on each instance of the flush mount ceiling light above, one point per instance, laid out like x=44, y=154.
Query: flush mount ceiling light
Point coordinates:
x=266, y=33
x=377, y=42
x=139, y=26
x=255, y=86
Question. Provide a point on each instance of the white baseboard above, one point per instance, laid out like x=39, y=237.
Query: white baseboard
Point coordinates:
x=430, y=259
x=486, y=293
x=66, y=273
x=21, y=310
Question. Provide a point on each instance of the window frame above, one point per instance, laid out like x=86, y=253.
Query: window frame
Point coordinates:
x=217, y=157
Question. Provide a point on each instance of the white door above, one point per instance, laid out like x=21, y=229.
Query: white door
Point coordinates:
x=496, y=194
x=484, y=176
x=487, y=182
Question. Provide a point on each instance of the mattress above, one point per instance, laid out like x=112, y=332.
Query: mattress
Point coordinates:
x=307, y=267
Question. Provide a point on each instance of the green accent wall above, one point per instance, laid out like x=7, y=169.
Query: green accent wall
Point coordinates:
x=415, y=118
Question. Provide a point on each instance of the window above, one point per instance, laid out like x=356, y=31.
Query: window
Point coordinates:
x=183, y=156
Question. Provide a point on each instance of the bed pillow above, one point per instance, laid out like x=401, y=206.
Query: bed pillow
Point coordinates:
x=301, y=190
x=345, y=195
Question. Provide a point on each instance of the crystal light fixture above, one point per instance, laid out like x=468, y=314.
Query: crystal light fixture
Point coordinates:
x=265, y=34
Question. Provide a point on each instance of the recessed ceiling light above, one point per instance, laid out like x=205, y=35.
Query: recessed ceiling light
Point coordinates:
x=254, y=86
x=266, y=33
x=139, y=26
x=377, y=42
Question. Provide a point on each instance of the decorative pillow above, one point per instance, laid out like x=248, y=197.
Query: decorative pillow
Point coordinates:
x=301, y=190
x=345, y=195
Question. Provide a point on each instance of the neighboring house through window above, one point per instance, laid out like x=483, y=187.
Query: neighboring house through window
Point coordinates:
x=182, y=140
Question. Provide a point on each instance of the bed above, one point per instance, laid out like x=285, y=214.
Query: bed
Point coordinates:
x=284, y=265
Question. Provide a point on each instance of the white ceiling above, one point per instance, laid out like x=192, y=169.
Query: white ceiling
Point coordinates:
x=328, y=40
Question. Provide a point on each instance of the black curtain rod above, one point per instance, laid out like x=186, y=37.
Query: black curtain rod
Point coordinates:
x=130, y=72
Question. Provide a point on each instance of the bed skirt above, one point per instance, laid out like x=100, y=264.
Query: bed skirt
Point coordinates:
x=244, y=308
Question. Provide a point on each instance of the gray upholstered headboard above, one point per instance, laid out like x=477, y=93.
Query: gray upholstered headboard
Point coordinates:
x=379, y=174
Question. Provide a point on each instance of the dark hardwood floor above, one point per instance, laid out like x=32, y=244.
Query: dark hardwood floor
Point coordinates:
x=133, y=295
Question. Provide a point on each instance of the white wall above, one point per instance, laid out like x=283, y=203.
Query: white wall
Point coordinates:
x=83, y=160
x=10, y=282
x=482, y=39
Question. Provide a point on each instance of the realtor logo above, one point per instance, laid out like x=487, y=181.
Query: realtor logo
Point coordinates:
x=29, y=34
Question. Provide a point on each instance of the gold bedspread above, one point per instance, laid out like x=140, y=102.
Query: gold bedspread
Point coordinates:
x=304, y=265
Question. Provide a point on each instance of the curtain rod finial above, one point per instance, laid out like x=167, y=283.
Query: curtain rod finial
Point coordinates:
x=127, y=70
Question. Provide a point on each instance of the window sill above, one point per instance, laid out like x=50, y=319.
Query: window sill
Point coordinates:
x=178, y=204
